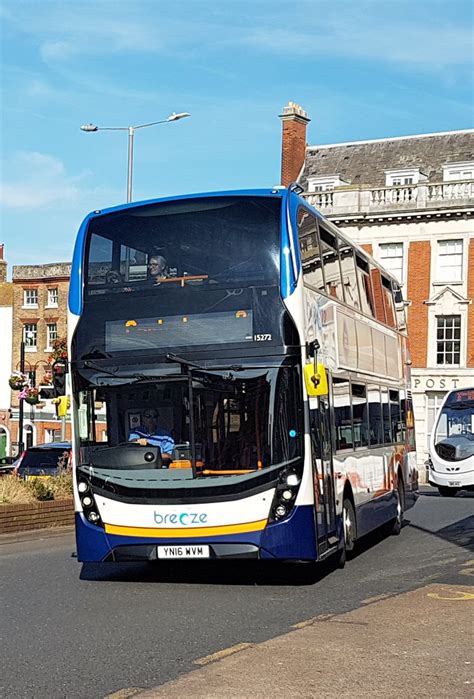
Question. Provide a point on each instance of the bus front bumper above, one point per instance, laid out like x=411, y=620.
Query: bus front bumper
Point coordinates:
x=149, y=552
x=291, y=539
x=451, y=480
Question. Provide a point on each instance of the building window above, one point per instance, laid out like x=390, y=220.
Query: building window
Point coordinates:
x=391, y=257
x=30, y=335
x=52, y=334
x=51, y=435
x=448, y=340
x=53, y=297
x=30, y=298
x=28, y=436
x=458, y=171
x=449, y=267
x=406, y=176
x=434, y=404
x=324, y=184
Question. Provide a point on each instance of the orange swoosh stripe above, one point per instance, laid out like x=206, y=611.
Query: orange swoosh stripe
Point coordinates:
x=192, y=532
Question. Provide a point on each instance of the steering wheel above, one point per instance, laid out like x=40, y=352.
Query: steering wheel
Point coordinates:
x=113, y=277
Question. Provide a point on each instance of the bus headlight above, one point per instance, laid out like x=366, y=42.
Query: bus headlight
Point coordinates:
x=280, y=511
x=83, y=486
x=88, y=503
x=285, y=493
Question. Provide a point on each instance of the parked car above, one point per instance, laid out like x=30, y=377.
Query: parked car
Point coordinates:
x=43, y=460
x=6, y=465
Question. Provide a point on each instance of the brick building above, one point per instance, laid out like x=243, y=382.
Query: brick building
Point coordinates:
x=409, y=201
x=39, y=318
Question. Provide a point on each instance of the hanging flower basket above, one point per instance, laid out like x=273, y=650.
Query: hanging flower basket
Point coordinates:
x=30, y=395
x=17, y=381
x=32, y=400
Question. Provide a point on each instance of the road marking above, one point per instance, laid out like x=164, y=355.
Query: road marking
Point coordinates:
x=224, y=653
x=125, y=693
x=460, y=596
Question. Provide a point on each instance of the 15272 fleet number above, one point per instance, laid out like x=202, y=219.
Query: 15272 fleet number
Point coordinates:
x=263, y=337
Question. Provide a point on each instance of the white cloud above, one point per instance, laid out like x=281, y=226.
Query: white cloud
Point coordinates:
x=392, y=41
x=35, y=180
x=404, y=33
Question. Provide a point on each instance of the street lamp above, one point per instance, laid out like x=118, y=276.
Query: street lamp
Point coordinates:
x=89, y=128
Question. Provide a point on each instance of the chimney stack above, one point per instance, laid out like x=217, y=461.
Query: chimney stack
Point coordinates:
x=3, y=265
x=293, y=143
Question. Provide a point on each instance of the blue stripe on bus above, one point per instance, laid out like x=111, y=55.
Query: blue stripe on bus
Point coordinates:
x=290, y=261
x=294, y=537
x=91, y=541
x=75, y=285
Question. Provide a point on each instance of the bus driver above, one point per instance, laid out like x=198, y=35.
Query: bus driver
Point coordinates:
x=150, y=433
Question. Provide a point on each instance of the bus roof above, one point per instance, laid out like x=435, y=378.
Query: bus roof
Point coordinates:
x=276, y=191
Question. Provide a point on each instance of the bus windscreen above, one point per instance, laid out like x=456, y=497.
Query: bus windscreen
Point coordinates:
x=192, y=243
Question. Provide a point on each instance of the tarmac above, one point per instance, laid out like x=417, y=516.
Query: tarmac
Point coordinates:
x=416, y=644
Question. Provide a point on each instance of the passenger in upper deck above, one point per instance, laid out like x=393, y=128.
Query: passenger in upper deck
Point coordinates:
x=157, y=268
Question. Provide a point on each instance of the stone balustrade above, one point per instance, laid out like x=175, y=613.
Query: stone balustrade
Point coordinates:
x=350, y=199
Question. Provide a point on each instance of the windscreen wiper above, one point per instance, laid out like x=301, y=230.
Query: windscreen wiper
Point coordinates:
x=92, y=365
x=136, y=376
x=170, y=357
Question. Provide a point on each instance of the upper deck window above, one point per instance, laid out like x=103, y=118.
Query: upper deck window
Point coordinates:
x=332, y=269
x=229, y=241
x=349, y=274
x=310, y=249
x=365, y=286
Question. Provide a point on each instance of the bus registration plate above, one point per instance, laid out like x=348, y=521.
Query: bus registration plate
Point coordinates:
x=454, y=484
x=183, y=551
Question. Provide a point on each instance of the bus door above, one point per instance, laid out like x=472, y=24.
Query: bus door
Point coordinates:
x=323, y=474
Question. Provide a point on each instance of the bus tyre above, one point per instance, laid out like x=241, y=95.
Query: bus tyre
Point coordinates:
x=397, y=523
x=447, y=492
x=349, y=526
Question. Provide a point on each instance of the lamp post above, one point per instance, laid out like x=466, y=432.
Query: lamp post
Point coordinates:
x=20, y=407
x=32, y=371
x=90, y=128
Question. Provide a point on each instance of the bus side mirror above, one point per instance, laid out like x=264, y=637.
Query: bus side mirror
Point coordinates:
x=316, y=382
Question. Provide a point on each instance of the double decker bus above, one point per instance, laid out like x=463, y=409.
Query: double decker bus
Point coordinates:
x=274, y=352
x=451, y=460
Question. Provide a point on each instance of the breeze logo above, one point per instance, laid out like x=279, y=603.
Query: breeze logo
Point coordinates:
x=185, y=519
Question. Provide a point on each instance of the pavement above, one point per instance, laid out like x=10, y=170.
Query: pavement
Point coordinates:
x=419, y=643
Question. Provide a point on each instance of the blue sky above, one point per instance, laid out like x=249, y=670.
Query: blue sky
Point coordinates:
x=361, y=69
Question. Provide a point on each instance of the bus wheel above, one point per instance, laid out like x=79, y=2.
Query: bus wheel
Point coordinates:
x=447, y=492
x=348, y=533
x=349, y=525
x=397, y=523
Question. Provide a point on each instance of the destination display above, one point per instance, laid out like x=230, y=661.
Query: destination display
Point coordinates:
x=179, y=330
